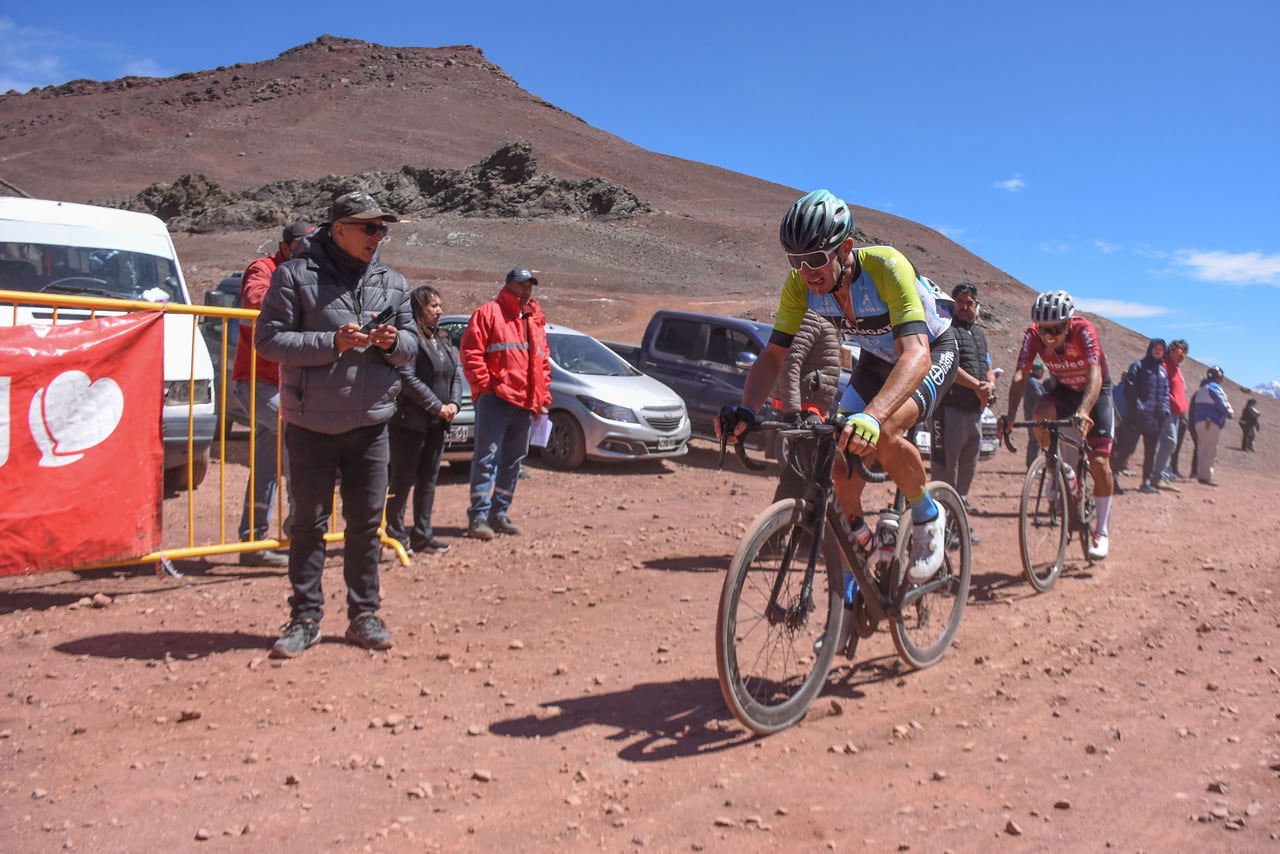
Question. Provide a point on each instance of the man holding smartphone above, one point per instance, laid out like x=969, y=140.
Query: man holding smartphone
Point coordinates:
x=338, y=321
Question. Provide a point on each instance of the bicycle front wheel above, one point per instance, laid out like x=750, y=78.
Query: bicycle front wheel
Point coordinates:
x=774, y=643
x=1042, y=524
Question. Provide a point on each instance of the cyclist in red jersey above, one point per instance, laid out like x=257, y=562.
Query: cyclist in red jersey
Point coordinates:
x=1072, y=352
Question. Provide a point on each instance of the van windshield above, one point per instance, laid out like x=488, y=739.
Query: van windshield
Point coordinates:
x=87, y=271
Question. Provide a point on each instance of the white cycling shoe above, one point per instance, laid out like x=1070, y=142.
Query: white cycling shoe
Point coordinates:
x=927, y=550
x=1098, y=546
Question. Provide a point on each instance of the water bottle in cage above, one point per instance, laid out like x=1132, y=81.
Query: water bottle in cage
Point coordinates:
x=886, y=539
x=1073, y=485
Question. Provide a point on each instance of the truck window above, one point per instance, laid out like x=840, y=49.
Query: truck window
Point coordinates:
x=684, y=338
x=726, y=345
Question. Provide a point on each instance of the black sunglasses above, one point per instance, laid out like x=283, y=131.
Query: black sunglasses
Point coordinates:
x=370, y=228
x=1053, y=330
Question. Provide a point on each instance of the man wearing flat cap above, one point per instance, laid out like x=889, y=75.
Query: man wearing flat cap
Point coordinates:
x=260, y=378
x=508, y=366
x=338, y=321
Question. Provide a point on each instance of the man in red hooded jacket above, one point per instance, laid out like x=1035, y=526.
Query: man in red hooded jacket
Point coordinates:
x=508, y=366
x=261, y=377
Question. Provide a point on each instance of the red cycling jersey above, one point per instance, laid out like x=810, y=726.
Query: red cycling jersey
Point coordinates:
x=1081, y=349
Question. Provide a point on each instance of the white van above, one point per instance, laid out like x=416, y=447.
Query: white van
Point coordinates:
x=64, y=248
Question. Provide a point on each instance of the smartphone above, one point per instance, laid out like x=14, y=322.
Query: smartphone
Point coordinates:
x=383, y=316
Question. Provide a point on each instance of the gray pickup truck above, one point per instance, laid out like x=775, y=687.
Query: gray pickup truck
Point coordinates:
x=705, y=359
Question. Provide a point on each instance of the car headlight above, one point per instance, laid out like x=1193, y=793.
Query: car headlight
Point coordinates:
x=186, y=393
x=609, y=411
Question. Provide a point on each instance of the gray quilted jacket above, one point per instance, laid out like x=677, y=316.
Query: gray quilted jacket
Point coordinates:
x=811, y=371
x=309, y=298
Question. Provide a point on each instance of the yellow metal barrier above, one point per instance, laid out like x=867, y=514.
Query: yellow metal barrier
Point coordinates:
x=218, y=542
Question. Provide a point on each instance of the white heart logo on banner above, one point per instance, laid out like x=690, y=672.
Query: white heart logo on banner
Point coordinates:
x=73, y=415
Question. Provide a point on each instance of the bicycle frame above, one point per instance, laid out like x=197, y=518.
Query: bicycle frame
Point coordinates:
x=1078, y=517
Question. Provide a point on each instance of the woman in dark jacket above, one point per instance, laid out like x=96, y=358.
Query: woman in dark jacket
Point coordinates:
x=430, y=394
x=1147, y=401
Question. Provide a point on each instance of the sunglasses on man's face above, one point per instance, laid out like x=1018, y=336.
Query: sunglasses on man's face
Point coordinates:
x=369, y=228
x=812, y=260
x=1052, y=330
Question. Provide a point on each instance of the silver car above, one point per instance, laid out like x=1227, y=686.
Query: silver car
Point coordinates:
x=601, y=407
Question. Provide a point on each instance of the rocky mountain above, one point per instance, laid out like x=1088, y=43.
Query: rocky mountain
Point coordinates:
x=488, y=174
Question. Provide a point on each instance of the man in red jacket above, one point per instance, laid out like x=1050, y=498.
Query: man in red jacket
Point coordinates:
x=264, y=382
x=508, y=366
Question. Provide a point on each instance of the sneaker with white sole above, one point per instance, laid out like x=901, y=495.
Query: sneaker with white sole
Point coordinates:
x=927, y=550
x=1098, y=546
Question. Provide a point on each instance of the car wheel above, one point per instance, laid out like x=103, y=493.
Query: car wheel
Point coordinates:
x=175, y=479
x=566, y=448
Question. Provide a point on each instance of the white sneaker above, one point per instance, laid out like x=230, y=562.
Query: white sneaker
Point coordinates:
x=927, y=550
x=1098, y=548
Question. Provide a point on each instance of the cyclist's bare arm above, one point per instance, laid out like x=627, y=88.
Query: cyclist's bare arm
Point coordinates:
x=761, y=379
x=1016, y=387
x=1092, y=389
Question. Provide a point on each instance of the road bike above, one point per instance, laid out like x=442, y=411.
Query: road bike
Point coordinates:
x=1047, y=521
x=784, y=603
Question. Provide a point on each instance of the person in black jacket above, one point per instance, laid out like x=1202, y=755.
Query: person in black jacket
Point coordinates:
x=1147, y=403
x=957, y=423
x=338, y=321
x=430, y=394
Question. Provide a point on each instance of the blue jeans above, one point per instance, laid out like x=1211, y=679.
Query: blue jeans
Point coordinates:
x=1168, y=440
x=502, y=442
x=316, y=461
x=260, y=491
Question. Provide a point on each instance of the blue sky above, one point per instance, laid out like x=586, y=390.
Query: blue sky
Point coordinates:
x=1126, y=151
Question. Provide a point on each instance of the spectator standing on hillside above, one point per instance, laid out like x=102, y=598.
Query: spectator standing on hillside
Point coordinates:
x=1147, y=402
x=1250, y=423
x=508, y=366
x=430, y=394
x=957, y=423
x=1210, y=412
x=1036, y=389
x=260, y=377
x=1178, y=406
x=337, y=319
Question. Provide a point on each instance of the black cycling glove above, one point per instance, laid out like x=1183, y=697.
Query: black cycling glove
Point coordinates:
x=732, y=416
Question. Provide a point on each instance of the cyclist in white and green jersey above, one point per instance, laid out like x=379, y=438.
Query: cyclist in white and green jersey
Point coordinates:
x=902, y=323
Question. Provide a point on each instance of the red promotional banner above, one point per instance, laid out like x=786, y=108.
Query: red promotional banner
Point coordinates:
x=81, y=456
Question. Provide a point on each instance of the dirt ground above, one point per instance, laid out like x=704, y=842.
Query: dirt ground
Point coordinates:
x=558, y=691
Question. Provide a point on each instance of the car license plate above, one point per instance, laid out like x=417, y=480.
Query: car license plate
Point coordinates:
x=666, y=444
x=461, y=433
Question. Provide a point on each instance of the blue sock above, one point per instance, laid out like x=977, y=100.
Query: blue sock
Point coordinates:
x=923, y=509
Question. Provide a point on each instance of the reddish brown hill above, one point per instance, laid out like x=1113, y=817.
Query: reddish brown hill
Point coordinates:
x=337, y=107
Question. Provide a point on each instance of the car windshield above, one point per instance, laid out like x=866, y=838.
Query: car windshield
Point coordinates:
x=582, y=354
x=111, y=273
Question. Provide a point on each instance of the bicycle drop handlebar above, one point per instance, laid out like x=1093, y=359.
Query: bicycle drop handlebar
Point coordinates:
x=1045, y=423
x=853, y=462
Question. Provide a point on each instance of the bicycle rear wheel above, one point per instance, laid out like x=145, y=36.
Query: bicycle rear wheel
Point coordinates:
x=1086, y=511
x=1042, y=524
x=773, y=651
x=931, y=612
